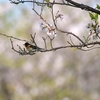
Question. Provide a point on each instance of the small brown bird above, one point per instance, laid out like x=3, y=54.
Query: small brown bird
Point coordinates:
x=30, y=47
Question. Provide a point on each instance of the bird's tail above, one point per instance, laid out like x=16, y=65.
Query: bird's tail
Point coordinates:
x=40, y=49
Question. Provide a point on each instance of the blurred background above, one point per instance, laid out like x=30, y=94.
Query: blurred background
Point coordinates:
x=67, y=74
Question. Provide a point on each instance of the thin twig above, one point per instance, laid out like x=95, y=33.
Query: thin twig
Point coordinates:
x=53, y=18
x=42, y=7
x=12, y=37
x=71, y=41
x=44, y=39
x=51, y=40
x=13, y=46
x=33, y=39
x=41, y=17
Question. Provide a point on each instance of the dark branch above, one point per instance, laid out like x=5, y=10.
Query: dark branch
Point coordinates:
x=68, y=3
x=83, y=6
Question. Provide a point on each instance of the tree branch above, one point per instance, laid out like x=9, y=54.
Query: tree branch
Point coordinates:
x=67, y=3
x=83, y=6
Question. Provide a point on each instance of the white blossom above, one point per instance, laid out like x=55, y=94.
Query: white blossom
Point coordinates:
x=98, y=30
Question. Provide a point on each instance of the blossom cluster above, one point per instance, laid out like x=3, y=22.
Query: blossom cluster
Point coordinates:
x=49, y=28
x=94, y=30
x=50, y=31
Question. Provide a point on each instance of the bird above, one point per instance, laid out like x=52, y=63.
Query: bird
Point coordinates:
x=31, y=47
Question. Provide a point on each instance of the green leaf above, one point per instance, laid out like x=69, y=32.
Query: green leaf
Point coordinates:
x=49, y=6
x=47, y=0
x=96, y=16
x=92, y=16
x=98, y=6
